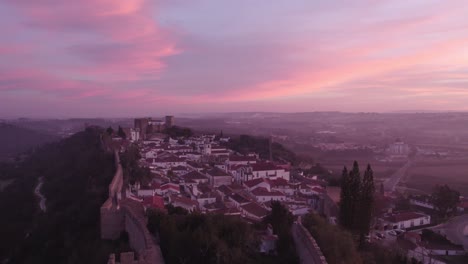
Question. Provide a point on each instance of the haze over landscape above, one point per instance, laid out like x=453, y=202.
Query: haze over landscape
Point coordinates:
x=126, y=58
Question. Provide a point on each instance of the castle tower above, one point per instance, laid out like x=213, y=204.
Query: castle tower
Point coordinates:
x=141, y=124
x=169, y=121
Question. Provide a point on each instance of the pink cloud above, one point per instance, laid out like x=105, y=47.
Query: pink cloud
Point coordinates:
x=113, y=39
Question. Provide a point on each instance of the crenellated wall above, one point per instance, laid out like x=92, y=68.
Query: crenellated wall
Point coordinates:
x=120, y=214
x=310, y=252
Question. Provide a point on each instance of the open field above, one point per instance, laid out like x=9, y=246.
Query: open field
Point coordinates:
x=381, y=170
x=424, y=175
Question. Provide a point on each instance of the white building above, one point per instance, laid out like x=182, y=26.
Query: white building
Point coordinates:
x=398, y=149
x=403, y=220
x=263, y=195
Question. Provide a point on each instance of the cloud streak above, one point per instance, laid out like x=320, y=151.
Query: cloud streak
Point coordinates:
x=139, y=56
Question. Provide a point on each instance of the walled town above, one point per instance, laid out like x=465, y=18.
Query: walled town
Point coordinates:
x=199, y=173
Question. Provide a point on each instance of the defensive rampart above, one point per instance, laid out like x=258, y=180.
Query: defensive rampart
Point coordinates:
x=309, y=251
x=120, y=214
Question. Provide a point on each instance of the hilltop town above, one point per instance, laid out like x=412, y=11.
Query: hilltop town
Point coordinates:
x=200, y=173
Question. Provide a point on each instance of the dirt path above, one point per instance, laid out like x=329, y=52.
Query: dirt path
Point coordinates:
x=37, y=192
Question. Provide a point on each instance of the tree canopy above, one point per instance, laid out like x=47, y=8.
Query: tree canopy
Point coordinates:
x=76, y=172
x=336, y=244
x=445, y=199
x=245, y=144
x=176, y=132
x=357, y=201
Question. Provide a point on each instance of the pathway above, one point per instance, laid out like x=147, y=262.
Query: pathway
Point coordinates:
x=391, y=183
x=37, y=191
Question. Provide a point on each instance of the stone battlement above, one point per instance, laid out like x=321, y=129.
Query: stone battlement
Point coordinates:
x=120, y=214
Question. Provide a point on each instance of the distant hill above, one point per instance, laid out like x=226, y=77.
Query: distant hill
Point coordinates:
x=15, y=140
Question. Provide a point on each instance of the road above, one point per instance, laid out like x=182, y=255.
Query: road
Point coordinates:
x=391, y=183
x=38, y=193
x=454, y=229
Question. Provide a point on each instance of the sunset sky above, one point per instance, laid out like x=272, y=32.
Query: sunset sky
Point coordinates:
x=146, y=57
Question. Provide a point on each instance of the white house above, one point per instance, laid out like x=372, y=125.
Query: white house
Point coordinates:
x=268, y=170
x=252, y=184
x=218, y=177
x=184, y=202
x=195, y=176
x=403, y=220
x=167, y=162
x=253, y=211
x=240, y=160
x=263, y=195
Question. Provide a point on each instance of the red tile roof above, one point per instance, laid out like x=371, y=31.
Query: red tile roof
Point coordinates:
x=263, y=166
x=154, y=202
x=184, y=200
x=242, y=158
x=260, y=191
x=170, y=186
x=403, y=216
x=255, y=209
x=253, y=182
x=217, y=172
x=239, y=198
x=278, y=182
x=194, y=175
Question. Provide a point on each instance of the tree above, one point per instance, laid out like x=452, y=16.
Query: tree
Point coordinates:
x=121, y=133
x=337, y=245
x=281, y=220
x=345, y=200
x=366, y=204
x=354, y=192
x=445, y=199
x=110, y=131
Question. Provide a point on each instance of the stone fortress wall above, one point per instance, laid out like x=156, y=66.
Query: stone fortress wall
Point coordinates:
x=122, y=214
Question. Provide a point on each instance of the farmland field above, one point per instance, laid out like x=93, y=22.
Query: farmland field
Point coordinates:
x=424, y=175
x=381, y=170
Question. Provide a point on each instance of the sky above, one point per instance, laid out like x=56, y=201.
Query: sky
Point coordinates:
x=123, y=58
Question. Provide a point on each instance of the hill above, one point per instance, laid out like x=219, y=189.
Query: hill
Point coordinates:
x=15, y=140
x=76, y=172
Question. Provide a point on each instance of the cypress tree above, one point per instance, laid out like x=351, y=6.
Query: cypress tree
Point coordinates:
x=121, y=133
x=354, y=190
x=366, y=203
x=345, y=205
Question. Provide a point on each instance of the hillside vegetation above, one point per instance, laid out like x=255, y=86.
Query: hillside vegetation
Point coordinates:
x=76, y=173
x=245, y=144
x=15, y=140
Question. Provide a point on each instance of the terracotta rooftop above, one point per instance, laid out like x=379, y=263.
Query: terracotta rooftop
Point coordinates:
x=217, y=172
x=239, y=198
x=253, y=182
x=255, y=209
x=242, y=158
x=194, y=175
x=278, y=182
x=403, y=216
x=183, y=200
x=260, y=191
x=170, y=186
x=263, y=166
